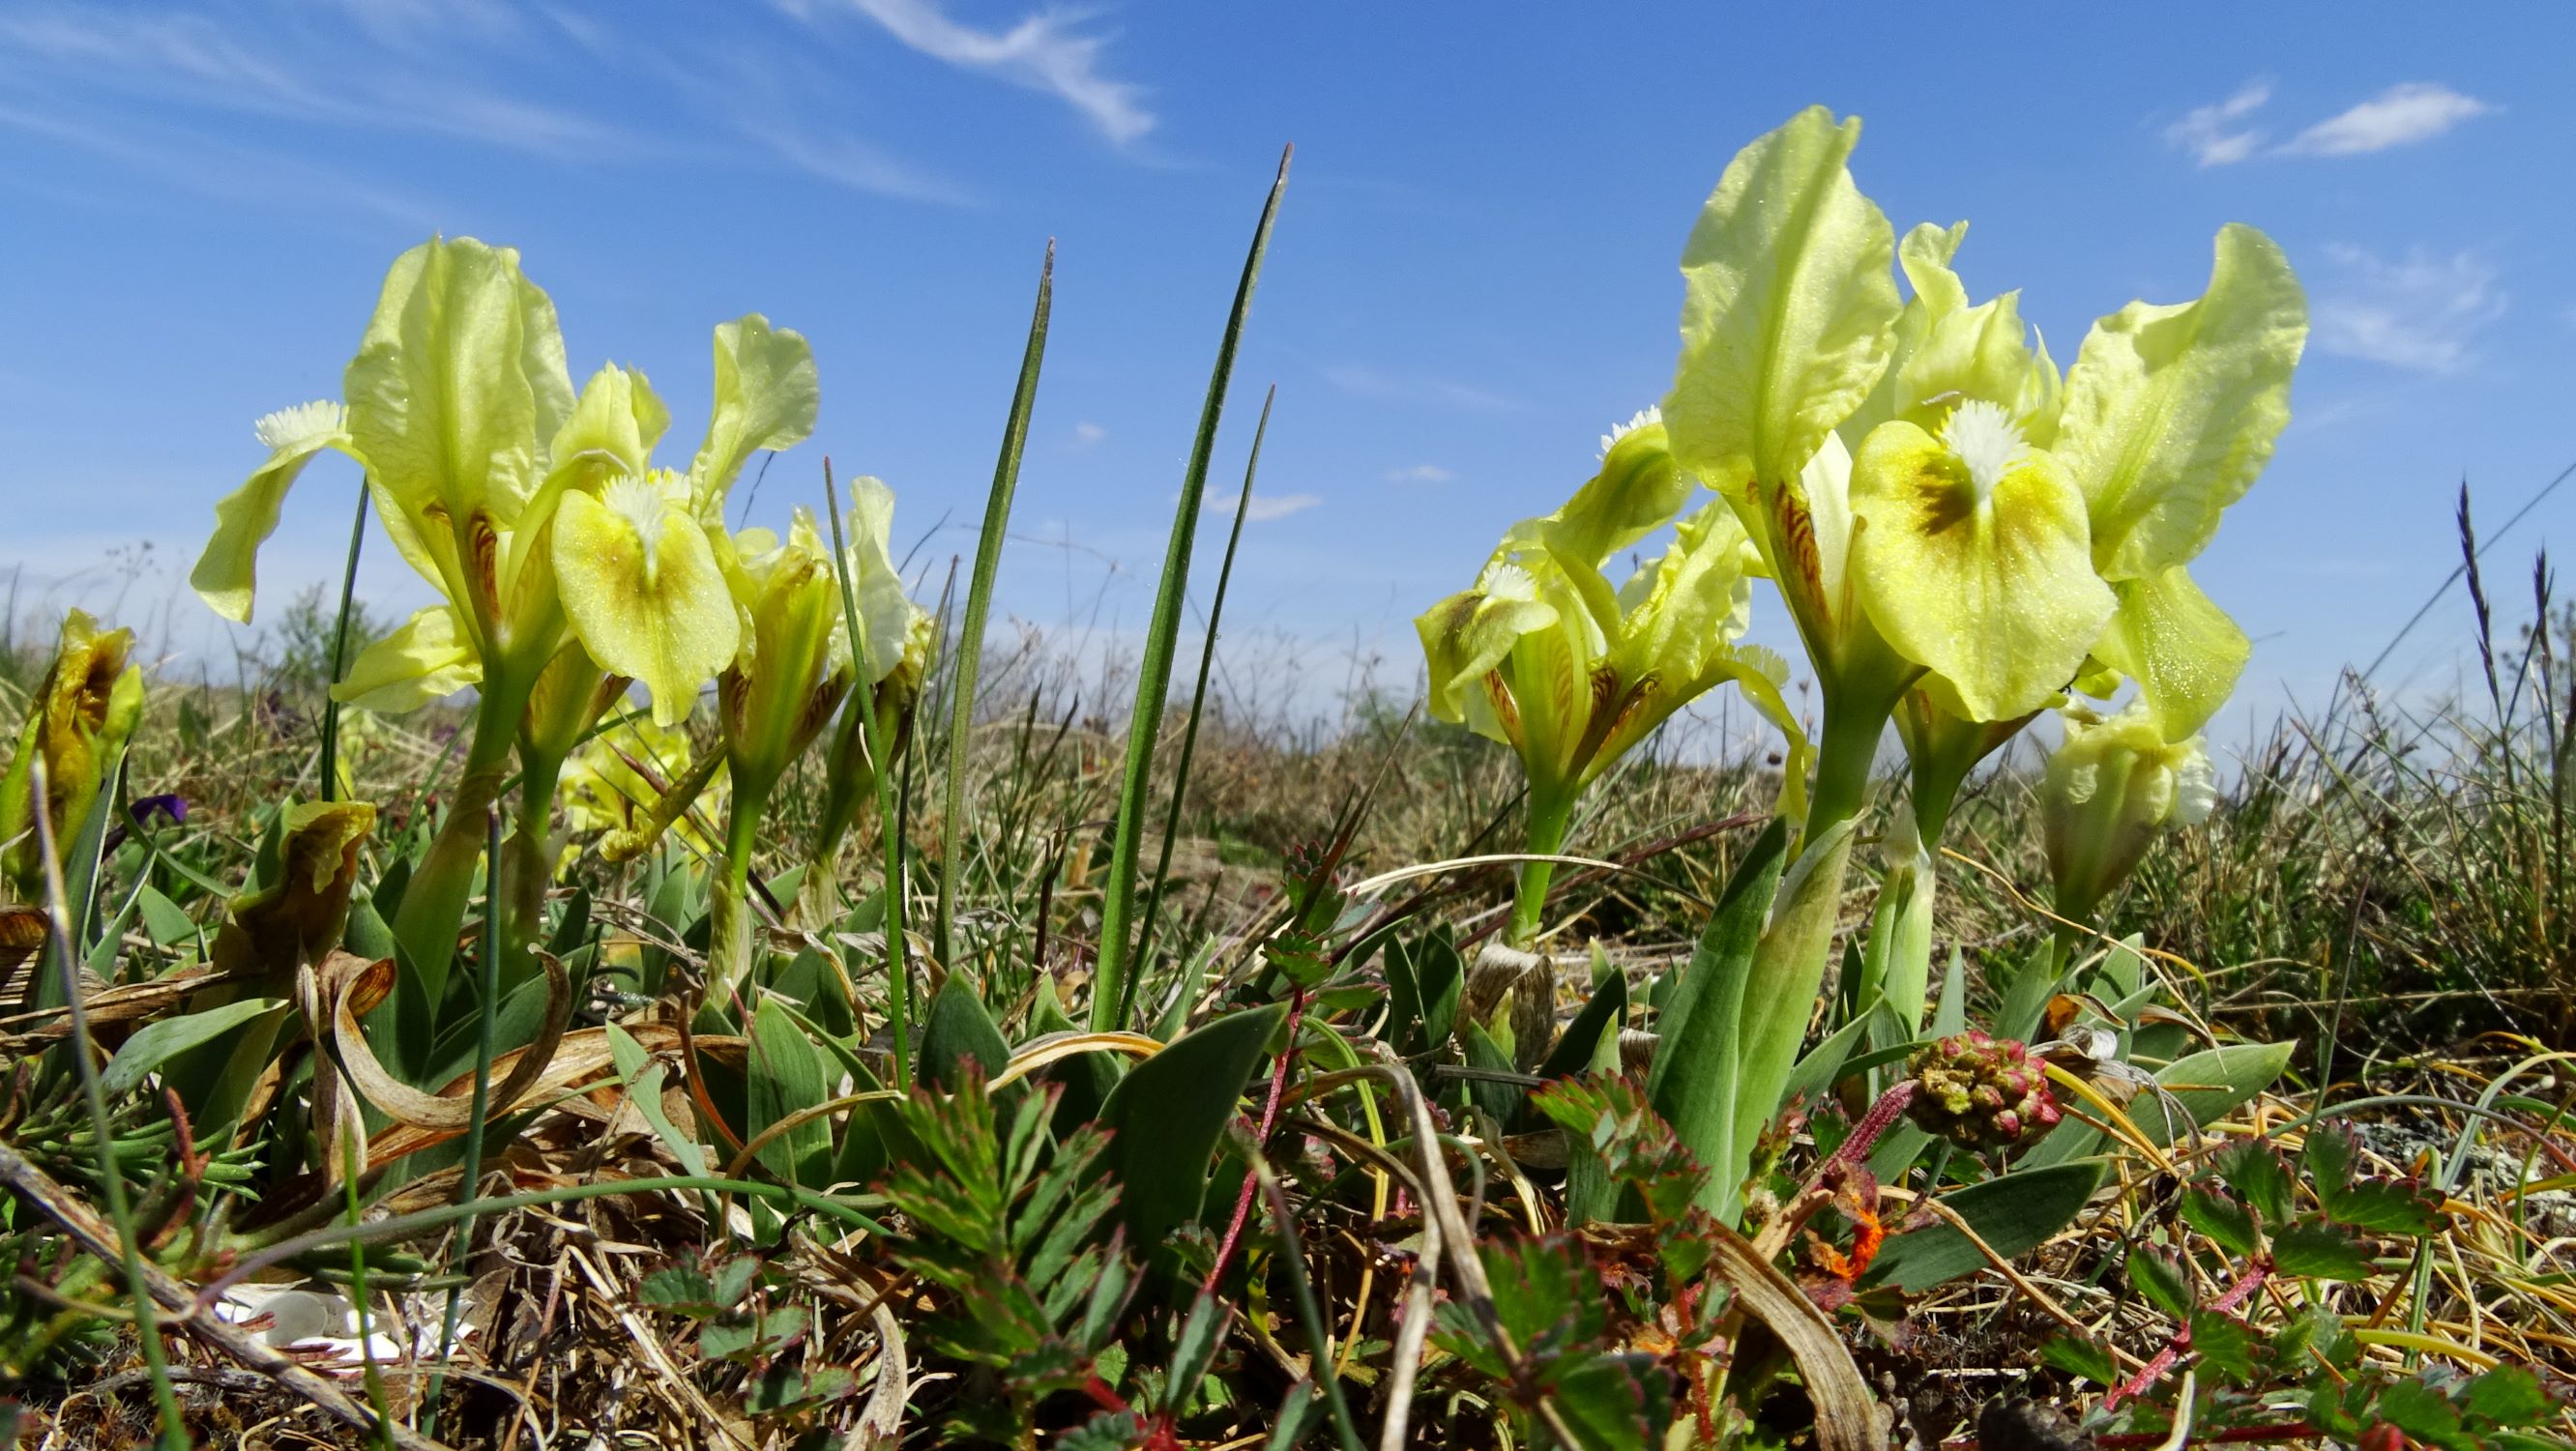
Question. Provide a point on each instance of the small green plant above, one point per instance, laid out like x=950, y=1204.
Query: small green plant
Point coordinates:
x=1009, y=1228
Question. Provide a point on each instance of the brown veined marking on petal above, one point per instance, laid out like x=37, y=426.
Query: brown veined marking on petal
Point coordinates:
x=104, y=663
x=610, y=690
x=483, y=548
x=1607, y=722
x=733, y=695
x=1463, y=610
x=1798, y=536
x=1500, y=696
x=1597, y=721
x=819, y=707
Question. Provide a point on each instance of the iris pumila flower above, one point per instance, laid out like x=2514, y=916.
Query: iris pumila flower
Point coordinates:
x=1889, y=462
x=793, y=671
x=1959, y=533
x=564, y=558
x=78, y=722
x=1544, y=655
x=2110, y=788
x=2171, y=412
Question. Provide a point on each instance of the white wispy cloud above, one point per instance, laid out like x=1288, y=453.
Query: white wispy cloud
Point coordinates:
x=847, y=161
x=1388, y=387
x=1088, y=435
x=218, y=171
x=1044, y=52
x=1420, y=474
x=2214, y=134
x=2223, y=133
x=2399, y=116
x=2421, y=312
x=196, y=59
x=427, y=67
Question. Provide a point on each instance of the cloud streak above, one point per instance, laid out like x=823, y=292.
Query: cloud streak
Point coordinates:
x=420, y=67
x=2223, y=134
x=1043, y=52
x=847, y=161
x=194, y=59
x=2398, y=116
x=2213, y=134
x=2421, y=312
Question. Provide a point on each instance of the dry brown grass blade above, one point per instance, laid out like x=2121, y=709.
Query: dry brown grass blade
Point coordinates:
x=408, y=1105
x=121, y=1003
x=1846, y=1417
x=1039, y=1053
x=882, y=1423
x=578, y=1057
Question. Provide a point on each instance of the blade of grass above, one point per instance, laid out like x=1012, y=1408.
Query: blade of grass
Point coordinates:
x=1109, y=990
x=375, y=1380
x=898, y=964
x=1198, y=704
x=111, y=1174
x=979, y=599
x=330, y=787
x=485, y=1028
x=1319, y=1336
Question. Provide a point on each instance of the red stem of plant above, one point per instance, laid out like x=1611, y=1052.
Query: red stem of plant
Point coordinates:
x=1881, y=1117
x=2154, y=1370
x=2133, y=1441
x=1269, y=1121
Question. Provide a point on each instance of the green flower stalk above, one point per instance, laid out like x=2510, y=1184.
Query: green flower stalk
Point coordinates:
x=78, y=723
x=772, y=702
x=535, y=513
x=1544, y=655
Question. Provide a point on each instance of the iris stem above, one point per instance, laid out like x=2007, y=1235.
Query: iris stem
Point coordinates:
x=433, y=904
x=528, y=859
x=1549, y=814
x=1844, y=762
x=729, y=935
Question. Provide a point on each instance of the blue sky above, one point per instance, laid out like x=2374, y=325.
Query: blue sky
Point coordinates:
x=1472, y=277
